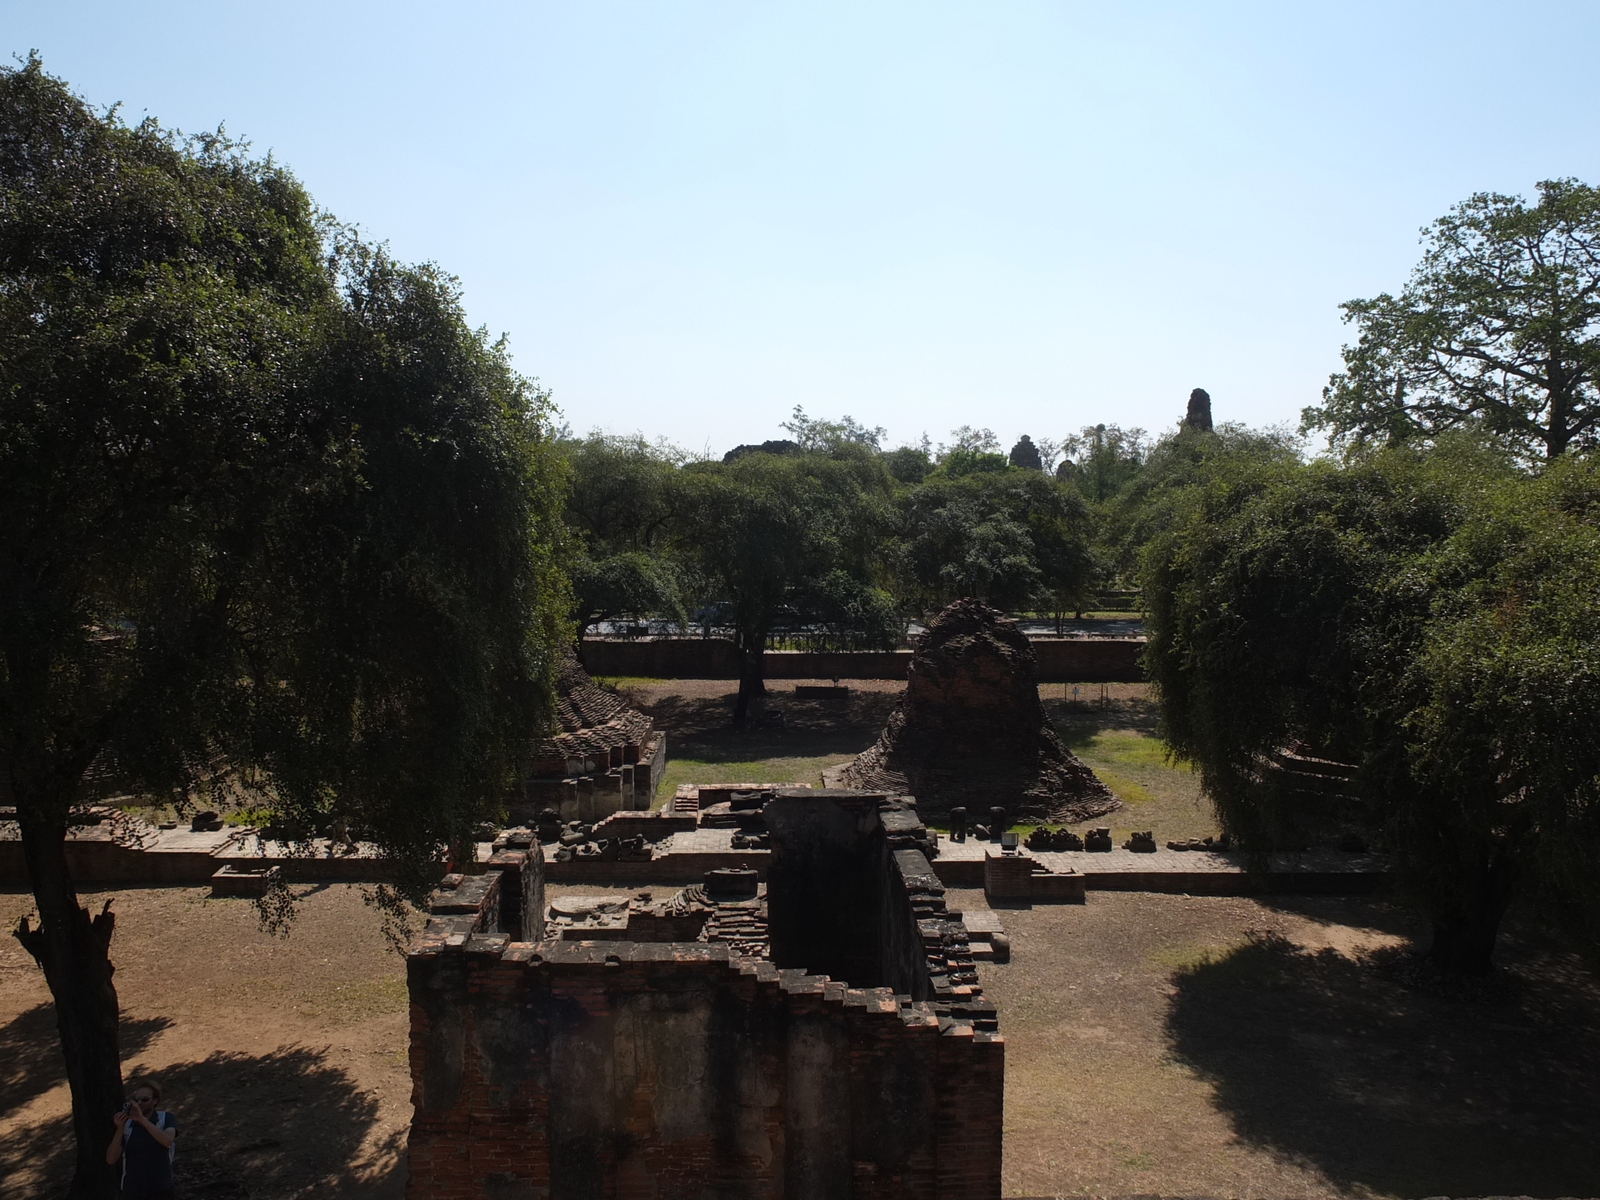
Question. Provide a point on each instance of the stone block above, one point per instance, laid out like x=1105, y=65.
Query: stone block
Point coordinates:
x=232, y=881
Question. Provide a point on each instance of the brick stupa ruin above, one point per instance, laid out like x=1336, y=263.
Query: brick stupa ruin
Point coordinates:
x=599, y=757
x=970, y=731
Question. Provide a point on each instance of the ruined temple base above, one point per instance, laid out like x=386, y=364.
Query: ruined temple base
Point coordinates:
x=232, y=860
x=630, y=786
x=1192, y=872
x=687, y=854
x=683, y=856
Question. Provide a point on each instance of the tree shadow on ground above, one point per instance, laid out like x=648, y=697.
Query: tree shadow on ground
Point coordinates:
x=1380, y=913
x=700, y=727
x=291, y=1122
x=1356, y=1069
x=1077, y=722
x=30, y=1052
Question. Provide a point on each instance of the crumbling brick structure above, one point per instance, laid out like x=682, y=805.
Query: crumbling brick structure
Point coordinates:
x=970, y=731
x=600, y=757
x=569, y=1068
x=504, y=895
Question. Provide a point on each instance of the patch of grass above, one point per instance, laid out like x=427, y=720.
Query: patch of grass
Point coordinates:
x=1126, y=789
x=350, y=1002
x=621, y=683
x=1188, y=957
x=781, y=769
x=1159, y=795
x=335, y=1004
x=1129, y=748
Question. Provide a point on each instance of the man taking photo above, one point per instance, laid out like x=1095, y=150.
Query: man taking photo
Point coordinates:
x=143, y=1143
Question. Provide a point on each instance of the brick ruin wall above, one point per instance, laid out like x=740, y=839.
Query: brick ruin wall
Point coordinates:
x=560, y=1069
x=504, y=896
x=599, y=757
x=1061, y=660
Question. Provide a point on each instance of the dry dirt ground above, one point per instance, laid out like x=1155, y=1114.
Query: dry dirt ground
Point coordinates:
x=1155, y=1044
x=1179, y=1045
x=283, y=1059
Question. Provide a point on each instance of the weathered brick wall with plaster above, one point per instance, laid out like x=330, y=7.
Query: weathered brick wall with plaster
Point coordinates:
x=566, y=1069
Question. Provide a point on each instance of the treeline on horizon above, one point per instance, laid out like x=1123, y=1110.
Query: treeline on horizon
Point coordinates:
x=854, y=539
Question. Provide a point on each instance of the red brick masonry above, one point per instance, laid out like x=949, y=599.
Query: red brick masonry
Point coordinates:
x=559, y=1070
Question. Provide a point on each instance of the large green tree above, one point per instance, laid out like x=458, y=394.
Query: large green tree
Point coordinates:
x=789, y=543
x=817, y=435
x=1429, y=618
x=1498, y=329
x=272, y=514
x=624, y=509
x=1102, y=460
x=1013, y=537
x=1147, y=499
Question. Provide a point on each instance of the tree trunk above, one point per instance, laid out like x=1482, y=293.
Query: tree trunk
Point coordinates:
x=1558, y=433
x=1556, y=436
x=1464, y=934
x=752, y=681
x=73, y=950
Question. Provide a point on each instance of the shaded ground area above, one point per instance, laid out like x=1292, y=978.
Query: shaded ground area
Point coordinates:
x=1227, y=1046
x=283, y=1059
x=791, y=740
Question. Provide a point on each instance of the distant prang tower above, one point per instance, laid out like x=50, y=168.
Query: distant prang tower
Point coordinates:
x=1199, y=415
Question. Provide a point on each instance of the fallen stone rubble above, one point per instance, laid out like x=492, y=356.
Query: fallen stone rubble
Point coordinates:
x=576, y=840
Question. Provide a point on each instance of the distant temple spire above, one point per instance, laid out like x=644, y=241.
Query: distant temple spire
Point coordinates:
x=1199, y=415
x=1026, y=454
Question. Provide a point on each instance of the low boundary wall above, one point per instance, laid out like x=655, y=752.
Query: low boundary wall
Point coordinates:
x=1316, y=872
x=1061, y=660
x=103, y=863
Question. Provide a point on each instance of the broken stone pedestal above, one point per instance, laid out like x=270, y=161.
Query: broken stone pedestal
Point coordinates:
x=1022, y=878
x=232, y=881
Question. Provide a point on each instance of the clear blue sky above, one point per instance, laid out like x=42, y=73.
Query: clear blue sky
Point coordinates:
x=691, y=217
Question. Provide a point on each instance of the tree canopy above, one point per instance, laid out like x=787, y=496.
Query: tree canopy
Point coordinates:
x=1498, y=330
x=623, y=509
x=789, y=543
x=656, y=533
x=1014, y=538
x=818, y=435
x=275, y=519
x=1429, y=618
x=1102, y=460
